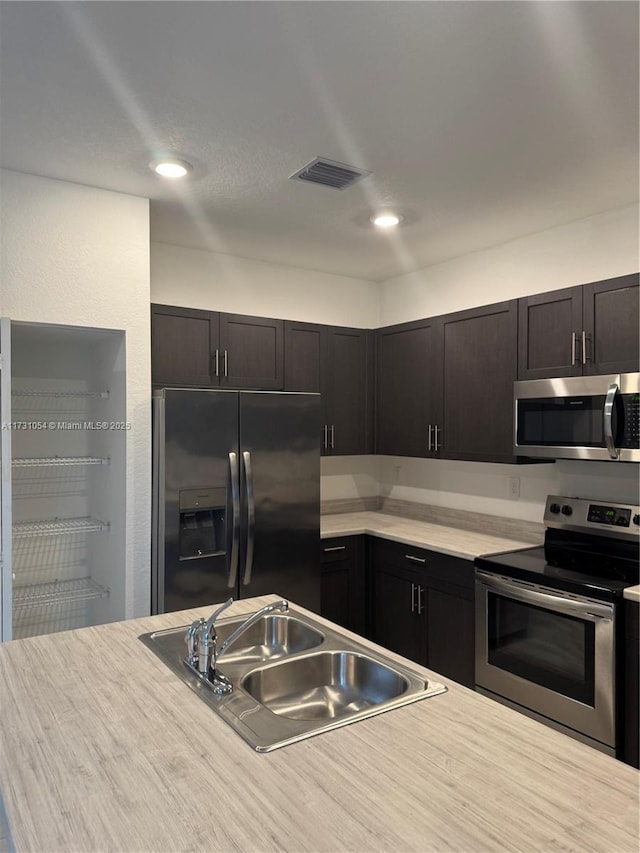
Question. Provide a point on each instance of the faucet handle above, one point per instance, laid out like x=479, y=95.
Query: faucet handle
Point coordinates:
x=191, y=638
x=211, y=620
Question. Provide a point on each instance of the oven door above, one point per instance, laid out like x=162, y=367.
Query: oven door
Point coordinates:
x=549, y=652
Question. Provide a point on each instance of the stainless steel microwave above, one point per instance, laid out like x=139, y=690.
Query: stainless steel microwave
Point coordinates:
x=579, y=417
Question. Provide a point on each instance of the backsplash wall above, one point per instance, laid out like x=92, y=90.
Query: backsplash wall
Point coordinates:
x=476, y=486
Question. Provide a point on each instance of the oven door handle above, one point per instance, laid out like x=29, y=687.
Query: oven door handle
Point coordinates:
x=590, y=611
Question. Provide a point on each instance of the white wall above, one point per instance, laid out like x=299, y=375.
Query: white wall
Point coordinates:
x=592, y=249
x=217, y=282
x=79, y=256
x=476, y=486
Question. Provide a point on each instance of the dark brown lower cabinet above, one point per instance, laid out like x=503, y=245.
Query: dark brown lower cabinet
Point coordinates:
x=343, y=582
x=422, y=608
x=450, y=633
x=630, y=752
x=398, y=602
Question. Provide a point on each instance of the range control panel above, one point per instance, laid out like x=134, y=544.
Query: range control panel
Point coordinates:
x=609, y=515
x=612, y=519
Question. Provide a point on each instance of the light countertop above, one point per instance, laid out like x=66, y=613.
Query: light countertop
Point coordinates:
x=105, y=749
x=454, y=541
x=632, y=593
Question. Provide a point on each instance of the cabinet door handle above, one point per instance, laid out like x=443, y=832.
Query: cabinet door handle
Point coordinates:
x=584, y=347
x=429, y=438
x=215, y=363
x=335, y=548
x=573, y=348
x=333, y=437
x=416, y=559
x=419, y=599
x=436, y=430
x=226, y=364
x=413, y=597
x=325, y=437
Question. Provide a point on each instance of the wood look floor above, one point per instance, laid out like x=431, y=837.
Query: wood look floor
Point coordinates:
x=104, y=749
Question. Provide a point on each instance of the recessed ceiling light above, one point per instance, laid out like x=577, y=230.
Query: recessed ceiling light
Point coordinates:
x=170, y=167
x=386, y=220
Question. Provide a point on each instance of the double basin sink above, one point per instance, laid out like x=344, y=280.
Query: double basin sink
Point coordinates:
x=293, y=678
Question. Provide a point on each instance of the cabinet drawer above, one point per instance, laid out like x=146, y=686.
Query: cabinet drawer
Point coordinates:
x=337, y=549
x=439, y=569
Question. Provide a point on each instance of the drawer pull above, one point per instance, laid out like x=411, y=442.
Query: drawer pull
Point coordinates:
x=335, y=548
x=415, y=559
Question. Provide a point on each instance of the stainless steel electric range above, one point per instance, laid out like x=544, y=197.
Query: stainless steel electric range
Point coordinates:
x=549, y=619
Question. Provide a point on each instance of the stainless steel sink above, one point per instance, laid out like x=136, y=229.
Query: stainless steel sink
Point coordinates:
x=293, y=678
x=274, y=636
x=324, y=686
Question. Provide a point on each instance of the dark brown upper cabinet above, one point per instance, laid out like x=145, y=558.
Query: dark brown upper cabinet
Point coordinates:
x=549, y=334
x=445, y=385
x=336, y=361
x=347, y=389
x=304, y=347
x=590, y=329
x=610, y=317
x=406, y=393
x=210, y=349
x=251, y=353
x=478, y=351
x=183, y=346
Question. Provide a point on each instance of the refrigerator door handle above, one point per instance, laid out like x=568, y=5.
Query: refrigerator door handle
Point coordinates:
x=251, y=517
x=235, y=519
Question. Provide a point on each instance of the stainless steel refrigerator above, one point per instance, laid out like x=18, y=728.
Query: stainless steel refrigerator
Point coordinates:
x=236, y=497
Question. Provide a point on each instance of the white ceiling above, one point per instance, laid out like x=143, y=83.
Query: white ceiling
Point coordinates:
x=481, y=121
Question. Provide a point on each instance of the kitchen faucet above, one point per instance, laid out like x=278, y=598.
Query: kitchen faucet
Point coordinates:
x=203, y=652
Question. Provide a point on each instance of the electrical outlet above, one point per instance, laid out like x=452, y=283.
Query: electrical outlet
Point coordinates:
x=514, y=487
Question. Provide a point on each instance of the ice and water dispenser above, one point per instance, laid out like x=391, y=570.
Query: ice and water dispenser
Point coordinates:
x=202, y=527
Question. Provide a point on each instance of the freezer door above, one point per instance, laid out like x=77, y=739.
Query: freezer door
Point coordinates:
x=280, y=496
x=196, y=498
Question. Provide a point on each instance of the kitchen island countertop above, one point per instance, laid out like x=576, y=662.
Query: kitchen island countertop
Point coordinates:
x=105, y=749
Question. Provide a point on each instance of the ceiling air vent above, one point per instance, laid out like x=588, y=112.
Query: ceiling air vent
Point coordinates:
x=329, y=173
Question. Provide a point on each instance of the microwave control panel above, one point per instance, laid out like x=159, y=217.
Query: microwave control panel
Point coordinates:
x=631, y=433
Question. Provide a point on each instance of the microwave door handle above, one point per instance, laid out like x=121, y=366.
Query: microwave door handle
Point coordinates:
x=607, y=420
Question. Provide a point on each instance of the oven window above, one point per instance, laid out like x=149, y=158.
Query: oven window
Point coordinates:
x=542, y=646
x=561, y=422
